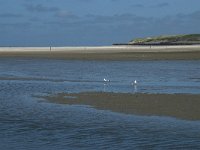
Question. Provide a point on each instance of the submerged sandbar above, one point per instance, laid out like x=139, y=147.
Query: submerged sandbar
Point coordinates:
x=183, y=106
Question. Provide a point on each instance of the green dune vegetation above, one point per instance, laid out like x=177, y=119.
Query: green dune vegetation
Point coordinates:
x=186, y=39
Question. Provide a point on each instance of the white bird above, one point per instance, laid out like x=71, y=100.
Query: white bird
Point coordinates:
x=134, y=83
x=106, y=80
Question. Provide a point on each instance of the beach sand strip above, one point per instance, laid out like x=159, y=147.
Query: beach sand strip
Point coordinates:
x=106, y=53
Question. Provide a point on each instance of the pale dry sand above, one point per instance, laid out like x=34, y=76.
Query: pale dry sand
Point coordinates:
x=105, y=52
x=104, y=49
x=183, y=106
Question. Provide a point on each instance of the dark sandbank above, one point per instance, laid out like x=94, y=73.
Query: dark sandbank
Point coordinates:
x=193, y=55
x=182, y=106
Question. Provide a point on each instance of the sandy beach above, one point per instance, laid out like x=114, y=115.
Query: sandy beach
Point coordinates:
x=182, y=106
x=106, y=52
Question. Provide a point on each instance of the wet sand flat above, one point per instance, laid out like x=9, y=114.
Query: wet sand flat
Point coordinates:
x=182, y=106
x=106, y=52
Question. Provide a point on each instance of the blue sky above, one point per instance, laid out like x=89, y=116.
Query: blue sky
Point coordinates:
x=93, y=22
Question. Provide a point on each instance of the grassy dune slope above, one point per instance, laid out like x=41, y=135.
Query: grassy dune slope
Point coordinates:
x=171, y=39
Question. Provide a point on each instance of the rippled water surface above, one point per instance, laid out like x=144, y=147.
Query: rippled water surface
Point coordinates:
x=27, y=122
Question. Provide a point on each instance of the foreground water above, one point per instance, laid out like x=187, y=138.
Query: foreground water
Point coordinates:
x=27, y=122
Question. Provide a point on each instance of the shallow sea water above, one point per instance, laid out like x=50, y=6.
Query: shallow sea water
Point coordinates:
x=28, y=122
